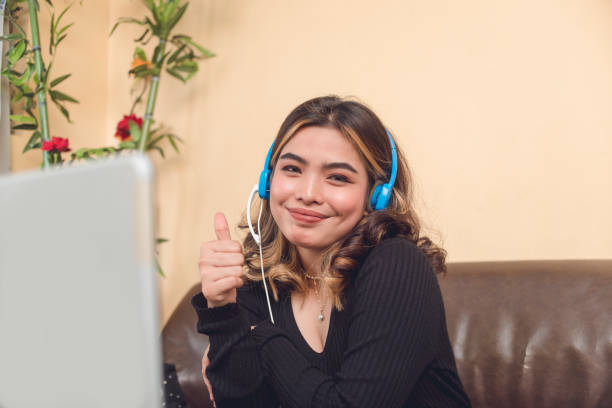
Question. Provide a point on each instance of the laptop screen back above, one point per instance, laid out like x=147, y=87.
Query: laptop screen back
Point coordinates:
x=78, y=298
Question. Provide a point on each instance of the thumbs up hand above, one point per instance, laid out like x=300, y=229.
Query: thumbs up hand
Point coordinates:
x=220, y=266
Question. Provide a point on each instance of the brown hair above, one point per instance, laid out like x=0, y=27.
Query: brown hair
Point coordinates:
x=367, y=133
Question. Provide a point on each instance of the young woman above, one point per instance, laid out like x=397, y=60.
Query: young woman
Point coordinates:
x=358, y=318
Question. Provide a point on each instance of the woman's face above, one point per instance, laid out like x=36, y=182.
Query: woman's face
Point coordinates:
x=319, y=187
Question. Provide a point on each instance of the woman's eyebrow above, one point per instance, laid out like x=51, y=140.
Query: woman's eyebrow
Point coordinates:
x=292, y=156
x=328, y=166
x=340, y=165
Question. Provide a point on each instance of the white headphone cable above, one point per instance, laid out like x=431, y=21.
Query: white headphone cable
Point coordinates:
x=257, y=238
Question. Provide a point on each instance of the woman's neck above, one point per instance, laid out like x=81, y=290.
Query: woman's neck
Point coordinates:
x=311, y=260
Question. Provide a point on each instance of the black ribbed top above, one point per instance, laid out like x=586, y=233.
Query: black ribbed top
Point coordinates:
x=389, y=346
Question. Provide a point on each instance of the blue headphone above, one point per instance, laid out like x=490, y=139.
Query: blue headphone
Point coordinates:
x=380, y=196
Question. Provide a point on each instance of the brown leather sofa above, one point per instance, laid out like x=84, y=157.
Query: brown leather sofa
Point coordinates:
x=525, y=334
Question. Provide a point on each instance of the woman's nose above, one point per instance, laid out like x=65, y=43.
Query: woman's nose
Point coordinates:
x=309, y=190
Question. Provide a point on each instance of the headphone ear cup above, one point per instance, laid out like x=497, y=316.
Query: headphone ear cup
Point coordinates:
x=264, y=184
x=375, y=194
x=384, y=196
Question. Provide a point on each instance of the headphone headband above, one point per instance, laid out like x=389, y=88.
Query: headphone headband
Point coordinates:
x=264, y=178
x=393, y=160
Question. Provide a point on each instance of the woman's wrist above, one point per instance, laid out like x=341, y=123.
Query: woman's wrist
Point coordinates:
x=212, y=304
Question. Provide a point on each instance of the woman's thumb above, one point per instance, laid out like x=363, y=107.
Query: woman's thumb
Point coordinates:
x=221, y=227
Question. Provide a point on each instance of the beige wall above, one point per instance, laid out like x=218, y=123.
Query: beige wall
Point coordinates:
x=503, y=109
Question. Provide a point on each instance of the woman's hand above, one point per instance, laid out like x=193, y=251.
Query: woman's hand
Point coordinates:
x=221, y=266
x=205, y=363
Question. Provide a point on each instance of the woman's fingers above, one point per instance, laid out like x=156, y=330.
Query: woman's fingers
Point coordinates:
x=220, y=265
x=222, y=286
x=210, y=275
x=210, y=247
x=222, y=290
x=222, y=259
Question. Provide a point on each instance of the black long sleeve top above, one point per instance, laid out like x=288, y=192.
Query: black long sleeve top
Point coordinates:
x=388, y=347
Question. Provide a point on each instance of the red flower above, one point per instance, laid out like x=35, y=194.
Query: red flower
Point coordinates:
x=56, y=145
x=123, y=127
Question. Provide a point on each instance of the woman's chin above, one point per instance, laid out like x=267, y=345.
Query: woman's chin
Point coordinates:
x=305, y=241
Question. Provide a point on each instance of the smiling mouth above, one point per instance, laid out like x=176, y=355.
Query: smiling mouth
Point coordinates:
x=306, y=216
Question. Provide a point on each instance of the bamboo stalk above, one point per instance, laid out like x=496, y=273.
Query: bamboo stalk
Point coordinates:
x=148, y=117
x=40, y=66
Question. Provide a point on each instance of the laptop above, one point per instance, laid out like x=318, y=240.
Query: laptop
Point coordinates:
x=79, y=317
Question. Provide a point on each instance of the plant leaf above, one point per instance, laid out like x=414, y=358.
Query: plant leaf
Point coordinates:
x=157, y=13
x=32, y=142
x=60, y=39
x=10, y=37
x=176, y=53
x=154, y=27
x=66, y=27
x=52, y=33
x=187, y=66
x=16, y=52
x=20, y=80
x=23, y=119
x=173, y=143
x=58, y=80
x=126, y=20
x=46, y=72
x=25, y=126
x=135, y=131
x=62, y=109
x=177, y=17
x=139, y=52
x=62, y=15
x=159, y=269
x=169, y=9
x=17, y=97
x=60, y=96
x=187, y=39
x=154, y=141
x=140, y=69
x=142, y=37
x=127, y=145
x=175, y=74
x=160, y=150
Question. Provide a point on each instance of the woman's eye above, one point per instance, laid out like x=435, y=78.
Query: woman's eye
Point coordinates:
x=291, y=169
x=339, y=177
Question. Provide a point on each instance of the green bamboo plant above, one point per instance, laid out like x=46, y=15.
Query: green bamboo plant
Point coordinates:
x=29, y=76
x=181, y=61
x=176, y=54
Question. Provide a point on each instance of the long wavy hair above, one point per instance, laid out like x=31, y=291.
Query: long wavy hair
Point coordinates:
x=366, y=132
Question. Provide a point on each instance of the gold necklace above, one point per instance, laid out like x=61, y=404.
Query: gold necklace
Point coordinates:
x=322, y=305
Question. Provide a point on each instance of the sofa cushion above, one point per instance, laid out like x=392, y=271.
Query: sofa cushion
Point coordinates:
x=532, y=333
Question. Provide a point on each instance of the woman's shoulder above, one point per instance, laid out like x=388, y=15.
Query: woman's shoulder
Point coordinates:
x=396, y=275
x=397, y=257
x=396, y=247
